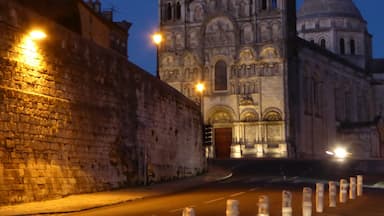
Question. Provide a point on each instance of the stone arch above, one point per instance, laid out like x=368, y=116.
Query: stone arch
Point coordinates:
x=221, y=76
x=189, y=60
x=168, y=60
x=264, y=32
x=169, y=42
x=168, y=11
x=247, y=35
x=178, y=11
x=219, y=31
x=323, y=41
x=194, y=38
x=269, y=53
x=249, y=115
x=247, y=54
x=221, y=114
x=272, y=114
x=352, y=46
x=197, y=10
x=276, y=30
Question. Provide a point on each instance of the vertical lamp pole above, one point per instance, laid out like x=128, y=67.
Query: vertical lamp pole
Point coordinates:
x=157, y=39
x=200, y=90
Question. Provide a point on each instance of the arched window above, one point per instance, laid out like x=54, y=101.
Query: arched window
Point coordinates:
x=274, y=4
x=178, y=11
x=272, y=116
x=352, y=46
x=221, y=82
x=264, y=4
x=169, y=11
x=342, y=46
x=323, y=43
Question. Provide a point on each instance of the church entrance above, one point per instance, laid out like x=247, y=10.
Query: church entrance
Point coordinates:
x=223, y=141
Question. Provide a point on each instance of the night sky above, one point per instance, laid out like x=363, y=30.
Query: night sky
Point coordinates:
x=144, y=16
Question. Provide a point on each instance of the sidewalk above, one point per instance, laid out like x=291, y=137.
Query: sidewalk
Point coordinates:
x=76, y=203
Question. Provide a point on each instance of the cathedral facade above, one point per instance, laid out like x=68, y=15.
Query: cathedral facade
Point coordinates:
x=269, y=93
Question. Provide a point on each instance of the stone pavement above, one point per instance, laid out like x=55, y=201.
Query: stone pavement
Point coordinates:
x=77, y=203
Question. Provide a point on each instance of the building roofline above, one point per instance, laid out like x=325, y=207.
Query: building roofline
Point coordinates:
x=304, y=43
x=104, y=20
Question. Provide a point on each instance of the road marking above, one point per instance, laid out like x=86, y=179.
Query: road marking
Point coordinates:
x=181, y=209
x=253, y=189
x=176, y=210
x=237, y=194
x=214, y=200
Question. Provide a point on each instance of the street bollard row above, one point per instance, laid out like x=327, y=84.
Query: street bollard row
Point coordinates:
x=232, y=208
x=263, y=206
x=287, y=204
x=188, y=212
x=355, y=189
x=319, y=197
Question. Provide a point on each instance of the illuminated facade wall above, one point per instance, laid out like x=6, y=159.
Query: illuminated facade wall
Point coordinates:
x=77, y=118
x=280, y=95
x=237, y=48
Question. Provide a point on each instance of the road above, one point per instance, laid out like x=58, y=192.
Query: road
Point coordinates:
x=247, y=184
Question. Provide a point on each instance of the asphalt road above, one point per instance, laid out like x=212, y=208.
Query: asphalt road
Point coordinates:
x=247, y=184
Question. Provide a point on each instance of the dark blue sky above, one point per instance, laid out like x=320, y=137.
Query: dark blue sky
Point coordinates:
x=144, y=16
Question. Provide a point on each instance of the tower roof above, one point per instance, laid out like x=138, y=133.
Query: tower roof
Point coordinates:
x=334, y=8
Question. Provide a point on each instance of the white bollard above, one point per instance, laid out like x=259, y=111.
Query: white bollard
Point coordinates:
x=352, y=188
x=319, y=197
x=232, y=208
x=287, y=203
x=343, y=194
x=332, y=193
x=307, y=201
x=360, y=185
x=188, y=212
x=263, y=206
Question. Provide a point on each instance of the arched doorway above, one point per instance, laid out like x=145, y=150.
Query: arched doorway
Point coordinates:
x=222, y=122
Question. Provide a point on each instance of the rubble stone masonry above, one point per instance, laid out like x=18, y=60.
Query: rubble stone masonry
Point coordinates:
x=77, y=118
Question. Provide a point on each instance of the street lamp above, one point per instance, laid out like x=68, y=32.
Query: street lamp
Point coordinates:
x=200, y=88
x=157, y=39
x=37, y=34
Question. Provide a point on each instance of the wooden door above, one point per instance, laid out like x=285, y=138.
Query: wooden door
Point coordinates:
x=223, y=141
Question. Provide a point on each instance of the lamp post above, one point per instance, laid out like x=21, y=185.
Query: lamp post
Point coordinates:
x=200, y=88
x=157, y=39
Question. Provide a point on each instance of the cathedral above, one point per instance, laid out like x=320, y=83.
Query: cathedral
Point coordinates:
x=279, y=83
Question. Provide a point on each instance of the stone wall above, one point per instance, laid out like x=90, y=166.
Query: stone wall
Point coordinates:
x=333, y=92
x=76, y=118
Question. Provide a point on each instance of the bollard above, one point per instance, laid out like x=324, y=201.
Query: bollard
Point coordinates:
x=332, y=193
x=263, y=206
x=188, y=212
x=352, y=188
x=287, y=203
x=360, y=185
x=319, y=197
x=307, y=201
x=343, y=191
x=232, y=208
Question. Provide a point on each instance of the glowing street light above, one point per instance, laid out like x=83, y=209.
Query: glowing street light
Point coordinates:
x=200, y=87
x=157, y=39
x=341, y=153
x=37, y=34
